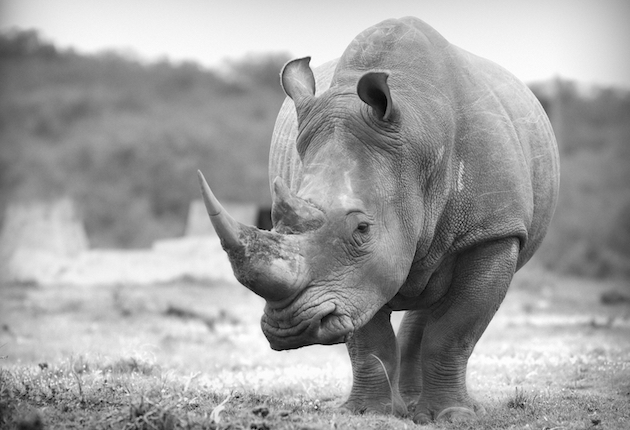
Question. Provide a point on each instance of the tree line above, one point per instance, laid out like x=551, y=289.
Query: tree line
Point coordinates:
x=124, y=138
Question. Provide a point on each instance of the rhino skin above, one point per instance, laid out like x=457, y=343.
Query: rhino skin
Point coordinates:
x=407, y=175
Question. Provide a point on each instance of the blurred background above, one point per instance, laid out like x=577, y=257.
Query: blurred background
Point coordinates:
x=112, y=106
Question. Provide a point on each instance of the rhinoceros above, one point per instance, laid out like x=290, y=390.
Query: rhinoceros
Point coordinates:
x=408, y=174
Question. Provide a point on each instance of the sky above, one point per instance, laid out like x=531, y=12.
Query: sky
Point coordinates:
x=583, y=40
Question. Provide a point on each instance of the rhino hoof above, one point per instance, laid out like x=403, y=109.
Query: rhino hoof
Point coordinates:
x=456, y=414
x=421, y=418
x=375, y=406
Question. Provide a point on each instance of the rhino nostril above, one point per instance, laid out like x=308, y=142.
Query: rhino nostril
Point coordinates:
x=327, y=320
x=334, y=327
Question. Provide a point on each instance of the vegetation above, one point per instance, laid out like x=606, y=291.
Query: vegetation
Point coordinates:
x=124, y=138
x=96, y=396
x=590, y=233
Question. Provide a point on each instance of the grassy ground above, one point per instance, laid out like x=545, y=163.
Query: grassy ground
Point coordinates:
x=191, y=355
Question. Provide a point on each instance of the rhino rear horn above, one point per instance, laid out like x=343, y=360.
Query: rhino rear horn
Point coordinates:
x=373, y=89
x=291, y=214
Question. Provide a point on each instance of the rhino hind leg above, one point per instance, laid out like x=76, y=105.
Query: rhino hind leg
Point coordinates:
x=452, y=328
x=374, y=355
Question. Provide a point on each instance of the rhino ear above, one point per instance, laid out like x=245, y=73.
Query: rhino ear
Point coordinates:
x=297, y=79
x=374, y=91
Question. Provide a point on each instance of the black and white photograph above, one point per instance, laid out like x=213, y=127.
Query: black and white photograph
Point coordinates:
x=314, y=215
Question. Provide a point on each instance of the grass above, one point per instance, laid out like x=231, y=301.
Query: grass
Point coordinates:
x=144, y=357
x=99, y=397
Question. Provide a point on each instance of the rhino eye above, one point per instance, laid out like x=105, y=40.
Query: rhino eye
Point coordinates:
x=363, y=228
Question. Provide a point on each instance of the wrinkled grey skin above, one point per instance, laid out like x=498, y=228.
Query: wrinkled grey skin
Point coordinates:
x=407, y=175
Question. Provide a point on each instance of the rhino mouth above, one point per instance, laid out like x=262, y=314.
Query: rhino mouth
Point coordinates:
x=323, y=324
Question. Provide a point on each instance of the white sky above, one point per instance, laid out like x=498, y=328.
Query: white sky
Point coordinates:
x=585, y=40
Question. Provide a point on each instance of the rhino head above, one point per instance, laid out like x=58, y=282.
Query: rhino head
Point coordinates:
x=341, y=246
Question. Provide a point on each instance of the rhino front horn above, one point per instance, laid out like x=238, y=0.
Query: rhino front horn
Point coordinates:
x=269, y=264
x=227, y=228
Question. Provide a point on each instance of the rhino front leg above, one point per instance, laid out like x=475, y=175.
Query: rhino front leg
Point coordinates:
x=375, y=358
x=410, y=339
x=480, y=280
